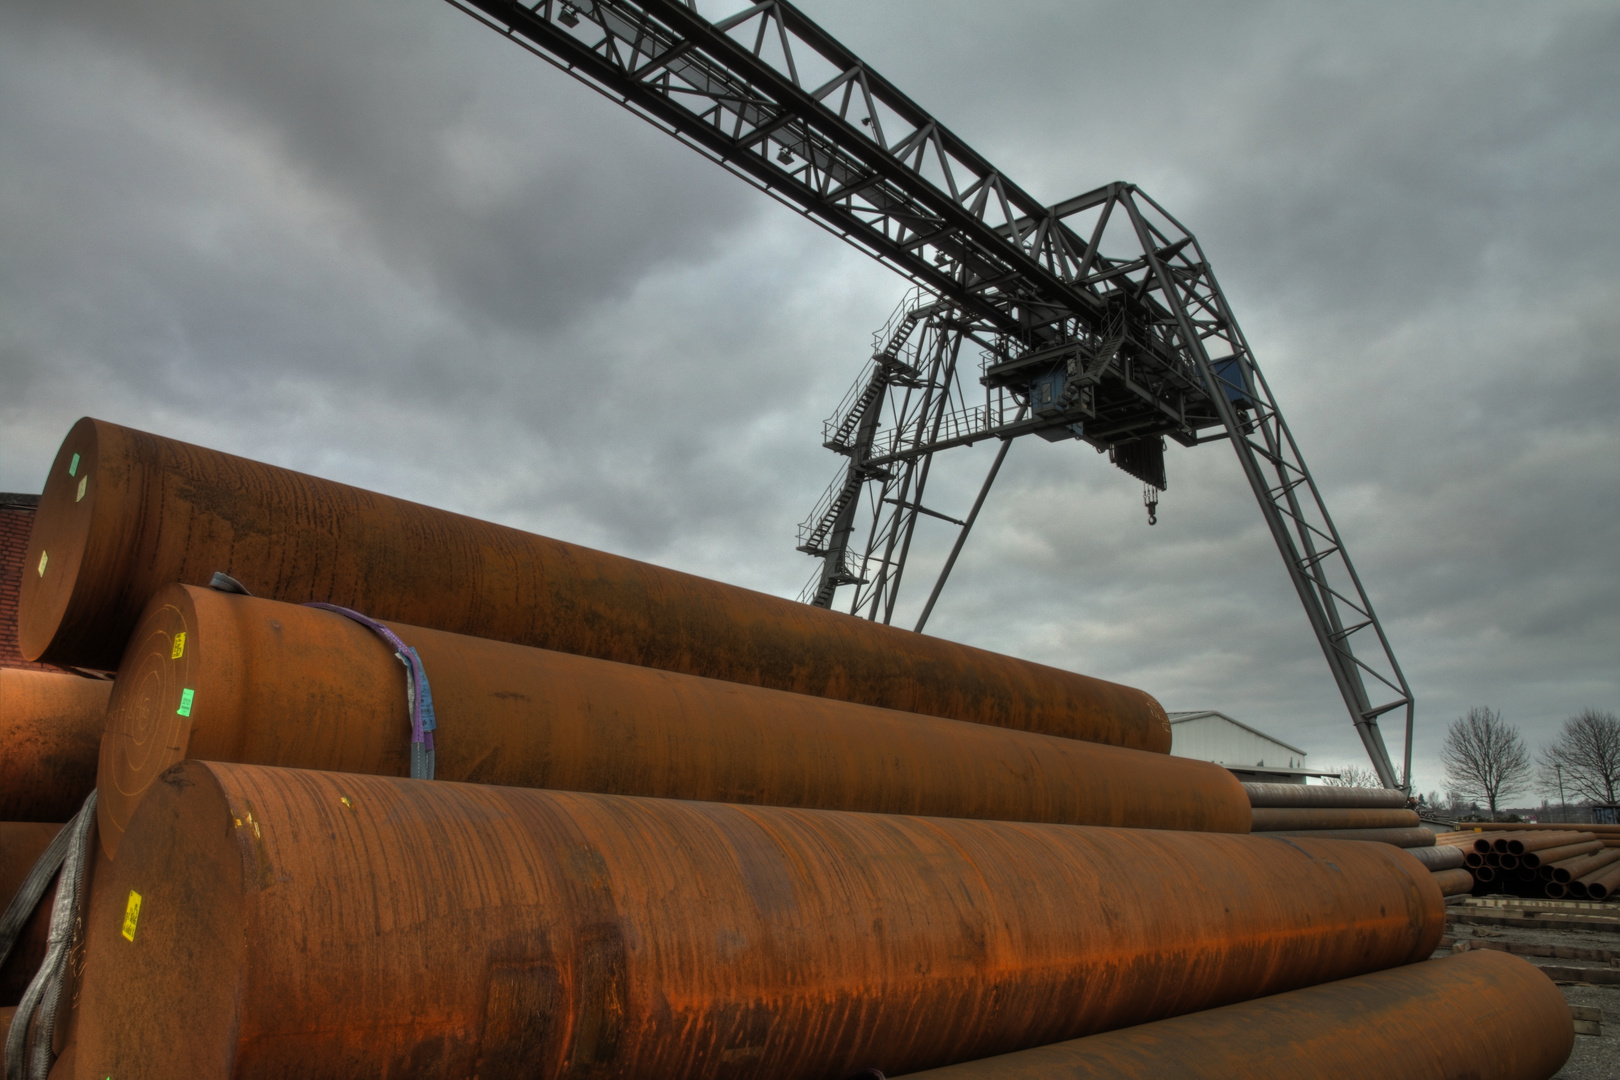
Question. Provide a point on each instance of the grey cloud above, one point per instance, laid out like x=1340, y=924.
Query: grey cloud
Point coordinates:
x=375, y=242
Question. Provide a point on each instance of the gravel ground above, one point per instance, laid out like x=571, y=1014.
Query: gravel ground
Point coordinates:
x=1595, y=1057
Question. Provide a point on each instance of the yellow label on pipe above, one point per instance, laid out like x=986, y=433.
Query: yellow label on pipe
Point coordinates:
x=179, y=649
x=83, y=482
x=132, y=914
x=44, y=557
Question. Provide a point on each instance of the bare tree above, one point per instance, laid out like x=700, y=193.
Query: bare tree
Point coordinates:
x=1353, y=776
x=1484, y=757
x=1585, y=757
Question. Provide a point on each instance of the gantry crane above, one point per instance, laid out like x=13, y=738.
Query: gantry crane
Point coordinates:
x=1097, y=319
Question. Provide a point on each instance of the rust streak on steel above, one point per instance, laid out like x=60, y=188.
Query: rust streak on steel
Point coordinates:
x=1404, y=838
x=507, y=931
x=21, y=844
x=1274, y=819
x=1324, y=796
x=50, y=729
x=125, y=513
x=1481, y=1015
x=278, y=684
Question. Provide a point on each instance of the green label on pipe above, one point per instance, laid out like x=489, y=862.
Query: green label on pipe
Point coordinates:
x=185, y=702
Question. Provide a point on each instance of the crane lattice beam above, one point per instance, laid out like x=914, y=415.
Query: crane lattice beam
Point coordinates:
x=1120, y=349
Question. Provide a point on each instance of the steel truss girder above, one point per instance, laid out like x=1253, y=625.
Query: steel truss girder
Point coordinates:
x=773, y=98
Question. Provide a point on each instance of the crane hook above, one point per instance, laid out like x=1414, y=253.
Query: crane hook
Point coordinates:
x=1150, y=498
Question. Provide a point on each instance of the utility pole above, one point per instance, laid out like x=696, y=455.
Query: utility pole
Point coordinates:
x=1563, y=806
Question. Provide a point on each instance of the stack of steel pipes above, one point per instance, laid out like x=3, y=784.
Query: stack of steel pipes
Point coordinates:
x=1555, y=862
x=1378, y=815
x=383, y=791
x=50, y=730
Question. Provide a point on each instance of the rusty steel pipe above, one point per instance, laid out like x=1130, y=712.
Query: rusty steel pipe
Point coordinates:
x=1545, y=826
x=50, y=731
x=1557, y=890
x=277, y=684
x=1453, y=882
x=1602, y=884
x=1473, y=859
x=1402, y=838
x=1506, y=861
x=1277, y=819
x=506, y=932
x=1483, y=874
x=1437, y=858
x=1322, y=796
x=1538, y=842
x=1570, y=869
x=1493, y=858
x=21, y=844
x=1548, y=856
x=1584, y=885
x=125, y=513
x=1484, y=1015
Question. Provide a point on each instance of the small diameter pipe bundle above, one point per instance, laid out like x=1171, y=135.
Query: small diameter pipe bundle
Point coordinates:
x=1278, y=819
x=21, y=844
x=1550, y=858
x=1600, y=884
x=1533, y=826
x=125, y=513
x=1324, y=797
x=1577, y=866
x=1482, y=1015
x=50, y=729
x=1402, y=838
x=225, y=677
x=356, y=926
x=1598, y=880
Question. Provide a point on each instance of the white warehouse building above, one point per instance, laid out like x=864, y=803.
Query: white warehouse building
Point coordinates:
x=1252, y=755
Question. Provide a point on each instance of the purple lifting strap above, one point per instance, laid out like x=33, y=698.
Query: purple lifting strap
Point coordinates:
x=417, y=693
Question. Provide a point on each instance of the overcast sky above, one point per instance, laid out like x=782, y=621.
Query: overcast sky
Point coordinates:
x=373, y=241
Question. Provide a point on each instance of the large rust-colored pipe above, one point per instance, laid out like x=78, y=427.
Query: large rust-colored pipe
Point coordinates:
x=50, y=730
x=125, y=513
x=1324, y=796
x=1403, y=838
x=1481, y=1015
x=21, y=844
x=1274, y=819
x=279, y=684
x=358, y=926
